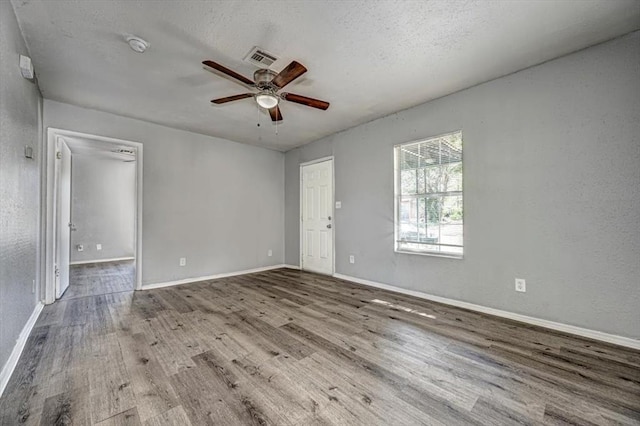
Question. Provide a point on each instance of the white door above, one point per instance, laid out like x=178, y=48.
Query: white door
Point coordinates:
x=63, y=217
x=317, y=220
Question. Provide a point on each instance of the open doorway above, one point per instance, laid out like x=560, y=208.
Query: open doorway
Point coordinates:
x=94, y=211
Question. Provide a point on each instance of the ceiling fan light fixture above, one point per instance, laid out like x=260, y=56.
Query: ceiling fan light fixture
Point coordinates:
x=267, y=100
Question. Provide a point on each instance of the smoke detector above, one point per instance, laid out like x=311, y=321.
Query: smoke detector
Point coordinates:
x=137, y=44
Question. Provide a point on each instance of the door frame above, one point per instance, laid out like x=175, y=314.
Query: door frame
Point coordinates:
x=333, y=213
x=53, y=134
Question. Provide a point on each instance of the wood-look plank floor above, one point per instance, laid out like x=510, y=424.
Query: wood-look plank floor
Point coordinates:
x=288, y=347
x=94, y=279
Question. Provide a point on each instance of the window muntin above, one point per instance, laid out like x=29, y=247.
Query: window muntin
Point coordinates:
x=429, y=201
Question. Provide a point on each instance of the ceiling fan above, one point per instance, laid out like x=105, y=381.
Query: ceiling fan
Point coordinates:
x=269, y=83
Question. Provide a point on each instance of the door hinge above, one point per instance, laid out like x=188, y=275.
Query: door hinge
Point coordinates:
x=58, y=155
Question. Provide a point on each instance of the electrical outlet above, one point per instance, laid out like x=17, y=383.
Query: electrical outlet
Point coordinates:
x=183, y=261
x=352, y=259
x=270, y=253
x=521, y=285
x=98, y=246
x=33, y=286
x=80, y=247
x=338, y=204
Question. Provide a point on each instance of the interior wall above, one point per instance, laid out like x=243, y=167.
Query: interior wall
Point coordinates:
x=103, y=193
x=218, y=203
x=551, y=192
x=19, y=186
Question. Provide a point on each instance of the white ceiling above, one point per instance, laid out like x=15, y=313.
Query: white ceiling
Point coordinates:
x=368, y=58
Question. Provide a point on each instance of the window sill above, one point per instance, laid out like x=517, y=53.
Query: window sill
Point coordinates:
x=432, y=254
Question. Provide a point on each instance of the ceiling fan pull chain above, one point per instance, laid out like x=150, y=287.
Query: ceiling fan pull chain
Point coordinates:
x=258, y=126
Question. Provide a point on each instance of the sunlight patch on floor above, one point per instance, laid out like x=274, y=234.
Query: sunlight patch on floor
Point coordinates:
x=403, y=308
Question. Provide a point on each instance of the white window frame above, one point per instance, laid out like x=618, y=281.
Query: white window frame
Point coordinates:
x=397, y=197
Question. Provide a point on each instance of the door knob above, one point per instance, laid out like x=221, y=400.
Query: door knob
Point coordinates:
x=329, y=226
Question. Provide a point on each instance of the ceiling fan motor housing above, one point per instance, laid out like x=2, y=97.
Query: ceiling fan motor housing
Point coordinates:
x=263, y=78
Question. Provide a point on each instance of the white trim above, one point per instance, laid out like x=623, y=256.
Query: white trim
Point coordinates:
x=317, y=160
x=42, y=216
x=210, y=277
x=291, y=266
x=10, y=365
x=432, y=254
x=115, y=259
x=566, y=328
x=333, y=211
x=49, y=205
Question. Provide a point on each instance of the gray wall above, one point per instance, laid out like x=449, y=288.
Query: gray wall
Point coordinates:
x=218, y=203
x=19, y=186
x=551, y=186
x=103, y=192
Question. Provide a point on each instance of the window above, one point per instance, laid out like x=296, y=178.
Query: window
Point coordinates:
x=429, y=208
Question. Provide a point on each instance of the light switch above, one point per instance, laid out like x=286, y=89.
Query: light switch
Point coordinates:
x=28, y=152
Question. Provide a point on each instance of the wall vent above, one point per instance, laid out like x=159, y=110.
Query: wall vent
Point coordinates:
x=260, y=58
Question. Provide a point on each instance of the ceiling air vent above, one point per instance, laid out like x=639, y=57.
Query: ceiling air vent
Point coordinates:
x=260, y=58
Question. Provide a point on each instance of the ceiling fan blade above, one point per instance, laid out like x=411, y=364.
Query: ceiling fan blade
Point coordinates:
x=303, y=100
x=287, y=75
x=232, y=98
x=275, y=113
x=229, y=72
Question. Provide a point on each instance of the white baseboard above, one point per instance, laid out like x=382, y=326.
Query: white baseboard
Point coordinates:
x=291, y=266
x=210, y=277
x=115, y=259
x=10, y=365
x=566, y=328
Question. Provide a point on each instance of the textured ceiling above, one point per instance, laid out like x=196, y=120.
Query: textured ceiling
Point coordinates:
x=368, y=58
